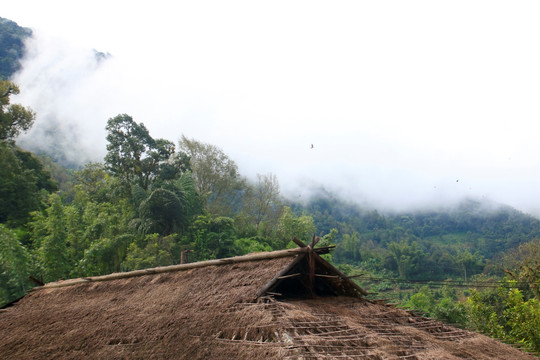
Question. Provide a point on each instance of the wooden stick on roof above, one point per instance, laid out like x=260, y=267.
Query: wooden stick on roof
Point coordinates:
x=298, y=242
x=163, y=269
x=314, y=241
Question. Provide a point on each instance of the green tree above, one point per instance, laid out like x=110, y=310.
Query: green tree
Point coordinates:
x=450, y=311
x=348, y=248
x=523, y=265
x=98, y=235
x=89, y=236
x=504, y=313
x=184, y=187
x=442, y=305
x=14, y=266
x=262, y=205
x=211, y=237
x=161, y=212
x=18, y=188
x=158, y=251
x=14, y=118
x=215, y=175
x=423, y=300
x=289, y=226
x=523, y=318
x=52, y=253
x=167, y=209
x=408, y=257
x=132, y=154
x=104, y=256
x=22, y=182
x=22, y=176
x=244, y=246
x=94, y=183
x=467, y=262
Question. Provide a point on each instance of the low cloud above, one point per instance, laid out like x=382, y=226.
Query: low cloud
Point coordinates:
x=406, y=106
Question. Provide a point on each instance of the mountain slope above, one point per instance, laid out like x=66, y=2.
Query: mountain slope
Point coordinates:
x=432, y=243
x=12, y=48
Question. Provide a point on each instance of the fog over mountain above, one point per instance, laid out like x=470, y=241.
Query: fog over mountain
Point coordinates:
x=396, y=104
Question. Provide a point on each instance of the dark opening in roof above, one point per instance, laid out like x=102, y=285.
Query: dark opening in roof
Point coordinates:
x=297, y=283
x=308, y=276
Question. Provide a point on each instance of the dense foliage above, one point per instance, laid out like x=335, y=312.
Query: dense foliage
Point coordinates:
x=456, y=241
x=23, y=177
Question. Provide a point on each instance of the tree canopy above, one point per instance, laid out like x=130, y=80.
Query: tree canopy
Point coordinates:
x=23, y=176
x=132, y=154
x=14, y=118
x=216, y=176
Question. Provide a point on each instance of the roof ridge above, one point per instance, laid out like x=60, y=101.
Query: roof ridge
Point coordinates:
x=179, y=267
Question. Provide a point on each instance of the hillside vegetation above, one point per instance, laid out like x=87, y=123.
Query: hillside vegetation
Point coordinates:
x=451, y=241
x=12, y=47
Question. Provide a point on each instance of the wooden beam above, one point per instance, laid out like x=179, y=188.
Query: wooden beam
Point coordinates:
x=324, y=249
x=328, y=276
x=298, y=242
x=311, y=276
x=180, y=267
x=314, y=241
x=275, y=280
x=36, y=281
x=288, y=276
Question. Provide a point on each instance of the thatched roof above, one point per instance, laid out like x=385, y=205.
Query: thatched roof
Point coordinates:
x=287, y=304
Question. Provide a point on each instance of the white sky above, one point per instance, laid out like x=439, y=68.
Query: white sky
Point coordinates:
x=405, y=102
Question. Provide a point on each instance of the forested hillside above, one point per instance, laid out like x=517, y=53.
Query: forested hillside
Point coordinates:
x=12, y=49
x=453, y=241
x=151, y=199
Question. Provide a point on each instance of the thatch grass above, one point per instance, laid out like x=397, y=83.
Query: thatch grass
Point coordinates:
x=158, y=314
x=212, y=312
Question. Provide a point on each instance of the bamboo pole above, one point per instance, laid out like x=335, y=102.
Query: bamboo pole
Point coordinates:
x=288, y=276
x=314, y=241
x=180, y=267
x=298, y=242
x=327, y=276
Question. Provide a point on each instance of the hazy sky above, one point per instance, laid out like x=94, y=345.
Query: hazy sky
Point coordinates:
x=405, y=102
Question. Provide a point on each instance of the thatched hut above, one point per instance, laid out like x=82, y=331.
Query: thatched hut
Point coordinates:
x=288, y=304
